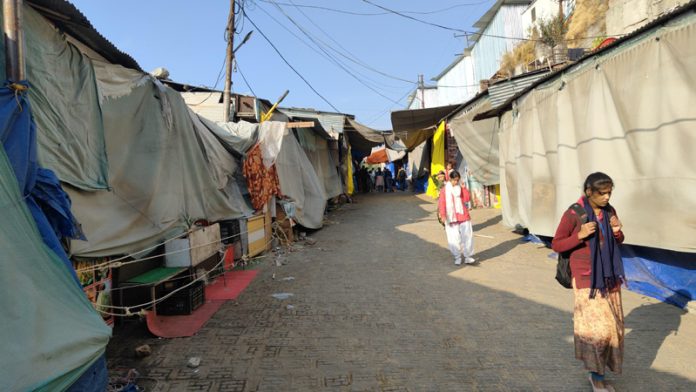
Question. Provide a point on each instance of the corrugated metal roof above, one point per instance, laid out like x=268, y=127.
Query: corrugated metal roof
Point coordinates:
x=503, y=90
x=69, y=19
x=330, y=121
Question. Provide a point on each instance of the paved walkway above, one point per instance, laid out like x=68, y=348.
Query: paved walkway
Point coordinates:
x=378, y=305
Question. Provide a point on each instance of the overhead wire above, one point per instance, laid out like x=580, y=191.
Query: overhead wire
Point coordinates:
x=318, y=51
x=246, y=15
x=388, y=109
x=239, y=69
x=354, y=57
x=378, y=13
x=331, y=58
x=466, y=32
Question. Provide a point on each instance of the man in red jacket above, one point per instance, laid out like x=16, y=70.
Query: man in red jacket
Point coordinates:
x=453, y=210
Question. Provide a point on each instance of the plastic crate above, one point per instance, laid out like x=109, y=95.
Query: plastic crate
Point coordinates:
x=230, y=231
x=183, y=302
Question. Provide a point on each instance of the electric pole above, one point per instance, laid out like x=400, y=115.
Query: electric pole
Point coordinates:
x=14, y=45
x=229, y=60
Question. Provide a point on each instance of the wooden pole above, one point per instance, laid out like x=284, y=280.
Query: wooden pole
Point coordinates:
x=226, y=102
x=14, y=46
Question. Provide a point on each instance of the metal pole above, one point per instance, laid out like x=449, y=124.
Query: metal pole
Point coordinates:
x=12, y=29
x=421, y=86
x=229, y=59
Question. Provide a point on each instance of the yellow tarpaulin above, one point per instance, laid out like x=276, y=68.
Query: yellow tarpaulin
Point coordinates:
x=438, y=159
x=349, y=173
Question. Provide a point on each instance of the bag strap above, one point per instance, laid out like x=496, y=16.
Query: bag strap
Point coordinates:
x=580, y=212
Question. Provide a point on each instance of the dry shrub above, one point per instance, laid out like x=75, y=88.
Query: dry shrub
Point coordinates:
x=522, y=54
x=588, y=15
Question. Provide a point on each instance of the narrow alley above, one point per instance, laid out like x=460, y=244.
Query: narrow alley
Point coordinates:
x=377, y=305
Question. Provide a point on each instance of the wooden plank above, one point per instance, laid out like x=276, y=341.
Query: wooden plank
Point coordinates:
x=300, y=124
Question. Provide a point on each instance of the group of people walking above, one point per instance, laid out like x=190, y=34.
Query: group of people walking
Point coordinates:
x=380, y=180
x=591, y=240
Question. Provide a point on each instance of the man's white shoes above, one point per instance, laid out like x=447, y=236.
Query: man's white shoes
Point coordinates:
x=469, y=260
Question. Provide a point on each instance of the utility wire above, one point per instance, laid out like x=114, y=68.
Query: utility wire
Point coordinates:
x=288, y=63
x=385, y=111
x=308, y=45
x=468, y=33
x=245, y=80
x=379, y=13
x=315, y=50
x=355, y=59
x=297, y=25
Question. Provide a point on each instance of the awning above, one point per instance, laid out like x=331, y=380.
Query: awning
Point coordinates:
x=379, y=156
x=415, y=126
x=361, y=137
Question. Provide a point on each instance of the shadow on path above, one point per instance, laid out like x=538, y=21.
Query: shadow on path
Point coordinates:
x=490, y=222
x=375, y=309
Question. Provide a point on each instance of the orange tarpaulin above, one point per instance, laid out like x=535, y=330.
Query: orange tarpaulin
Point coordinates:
x=379, y=156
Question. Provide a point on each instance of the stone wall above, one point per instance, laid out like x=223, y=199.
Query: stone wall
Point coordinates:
x=625, y=16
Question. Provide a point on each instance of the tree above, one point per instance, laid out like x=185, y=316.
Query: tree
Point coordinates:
x=552, y=31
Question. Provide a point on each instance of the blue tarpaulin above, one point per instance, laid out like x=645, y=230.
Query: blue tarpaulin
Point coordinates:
x=59, y=343
x=666, y=275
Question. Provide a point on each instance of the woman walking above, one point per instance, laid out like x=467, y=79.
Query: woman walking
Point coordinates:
x=453, y=211
x=597, y=271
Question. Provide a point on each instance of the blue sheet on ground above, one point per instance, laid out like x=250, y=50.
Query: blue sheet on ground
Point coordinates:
x=666, y=275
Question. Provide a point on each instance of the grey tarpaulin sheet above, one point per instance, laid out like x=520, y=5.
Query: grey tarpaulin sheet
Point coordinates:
x=318, y=153
x=300, y=182
x=630, y=113
x=64, y=97
x=361, y=137
x=166, y=169
x=419, y=160
x=478, y=142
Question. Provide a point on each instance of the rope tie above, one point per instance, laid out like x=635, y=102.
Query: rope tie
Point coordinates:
x=18, y=89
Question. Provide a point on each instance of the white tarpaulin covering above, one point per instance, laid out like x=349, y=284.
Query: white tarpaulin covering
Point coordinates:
x=300, y=182
x=395, y=155
x=478, y=142
x=239, y=137
x=166, y=169
x=631, y=113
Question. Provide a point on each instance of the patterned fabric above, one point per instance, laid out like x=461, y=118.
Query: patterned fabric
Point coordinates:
x=599, y=330
x=262, y=183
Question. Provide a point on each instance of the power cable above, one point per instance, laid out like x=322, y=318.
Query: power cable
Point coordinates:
x=355, y=58
x=288, y=63
x=468, y=33
x=245, y=80
x=385, y=111
x=337, y=63
x=319, y=51
x=379, y=13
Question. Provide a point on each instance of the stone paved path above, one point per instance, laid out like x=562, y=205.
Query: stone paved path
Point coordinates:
x=378, y=305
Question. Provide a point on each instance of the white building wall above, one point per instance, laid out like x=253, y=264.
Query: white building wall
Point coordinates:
x=497, y=39
x=458, y=84
x=424, y=98
x=538, y=10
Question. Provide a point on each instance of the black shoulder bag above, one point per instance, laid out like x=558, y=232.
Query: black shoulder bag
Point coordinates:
x=563, y=274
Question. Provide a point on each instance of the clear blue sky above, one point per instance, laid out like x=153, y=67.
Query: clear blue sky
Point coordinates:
x=187, y=38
